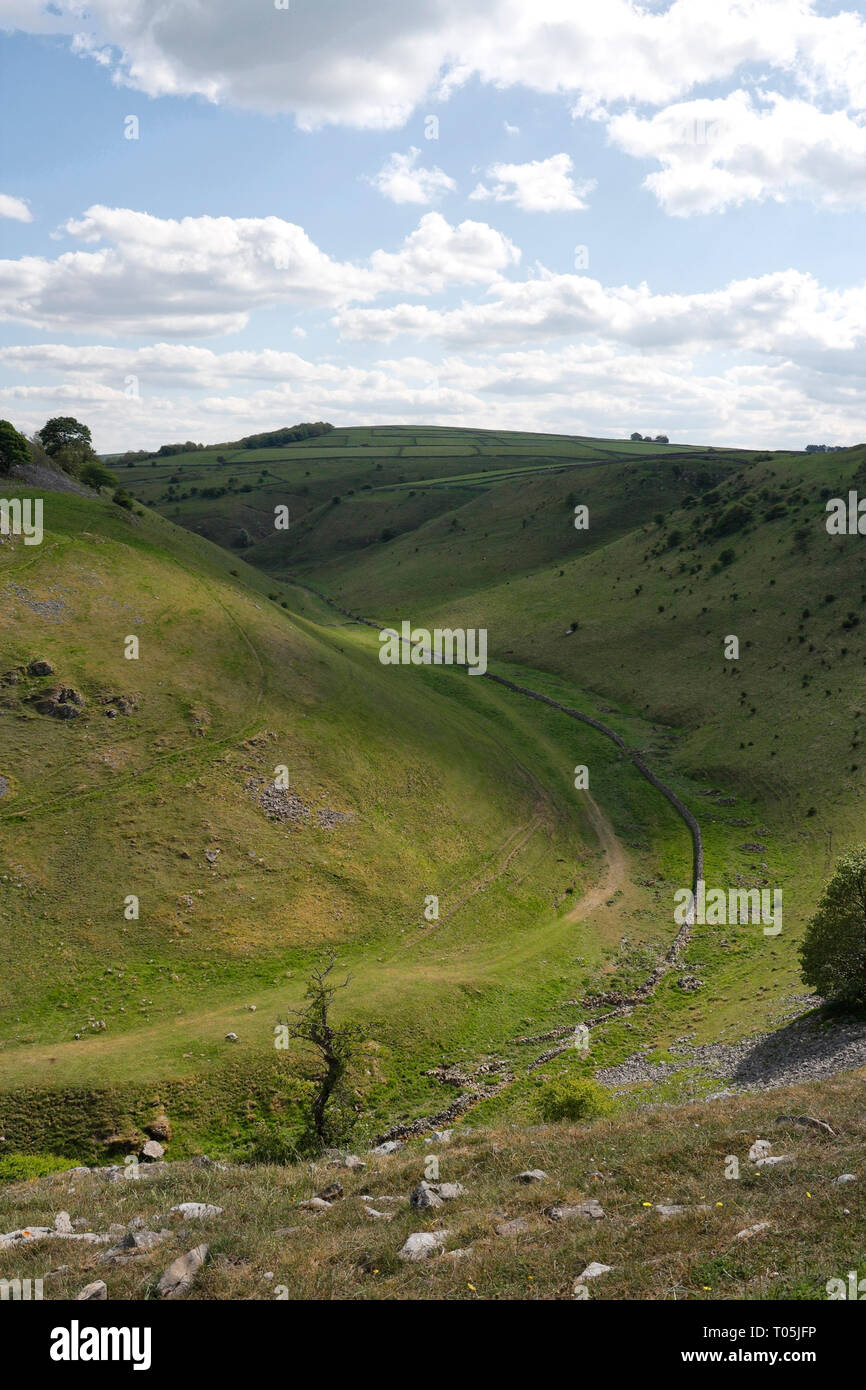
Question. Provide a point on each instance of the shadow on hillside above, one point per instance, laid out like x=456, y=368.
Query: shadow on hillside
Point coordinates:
x=817, y=1044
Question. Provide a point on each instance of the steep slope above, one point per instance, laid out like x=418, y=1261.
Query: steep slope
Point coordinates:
x=154, y=883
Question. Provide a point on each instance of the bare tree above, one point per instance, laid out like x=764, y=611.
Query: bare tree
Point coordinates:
x=335, y=1044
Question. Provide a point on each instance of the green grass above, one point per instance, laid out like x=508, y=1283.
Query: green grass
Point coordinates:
x=263, y=1247
x=456, y=787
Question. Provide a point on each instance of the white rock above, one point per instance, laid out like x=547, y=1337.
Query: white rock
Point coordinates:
x=448, y=1191
x=752, y=1230
x=531, y=1175
x=62, y=1222
x=423, y=1244
x=593, y=1271
x=760, y=1149
x=845, y=1177
x=195, y=1210
x=389, y=1147
x=771, y=1162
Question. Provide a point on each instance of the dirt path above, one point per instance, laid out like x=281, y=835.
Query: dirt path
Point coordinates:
x=616, y=864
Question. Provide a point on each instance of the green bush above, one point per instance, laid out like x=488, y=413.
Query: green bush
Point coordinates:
x=23, y=1167
x=276, y=1145
x=572, y=1098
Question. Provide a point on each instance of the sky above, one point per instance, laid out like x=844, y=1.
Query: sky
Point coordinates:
x=225, y=216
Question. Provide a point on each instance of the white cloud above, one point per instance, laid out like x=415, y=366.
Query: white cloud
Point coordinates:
x=724, y=152
x=786, y=313
x=15, y=208
x=437, y=254
x=372, y=65
x=543, y=185
x=510, y=129
x=600, y=389
x=201, y=276
x=401, y=180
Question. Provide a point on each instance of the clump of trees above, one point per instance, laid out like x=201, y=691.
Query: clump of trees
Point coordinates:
x=833, y=949
x=67, y=443
x=13, y=448
x=275, y=439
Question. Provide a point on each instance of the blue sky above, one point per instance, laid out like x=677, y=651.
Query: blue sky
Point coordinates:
x=283, y=240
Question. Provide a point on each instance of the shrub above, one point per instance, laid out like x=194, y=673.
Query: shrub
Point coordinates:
x=23, y=1167
x=270, y=1145
x=572, y=1098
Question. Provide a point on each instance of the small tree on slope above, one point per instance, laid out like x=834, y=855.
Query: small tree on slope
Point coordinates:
x=336, y=1046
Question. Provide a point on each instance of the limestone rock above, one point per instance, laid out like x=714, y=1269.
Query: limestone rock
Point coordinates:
x=516, y=1227
x=424, y=1196
x=178, y=1278
x=422, y=1245
x=587, y=1211
x=760, y=1149
x=94, y=1291
x=195, y=1211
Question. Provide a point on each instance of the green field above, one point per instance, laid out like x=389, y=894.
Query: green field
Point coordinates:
x=452, y=786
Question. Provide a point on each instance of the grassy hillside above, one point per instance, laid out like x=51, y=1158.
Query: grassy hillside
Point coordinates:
x=452, y=786
x=263, y=1246
x=684, y=549
x=153, y=790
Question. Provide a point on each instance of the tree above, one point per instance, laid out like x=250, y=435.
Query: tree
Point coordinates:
x=637, y=436
x=336, y=1046
x=62, y=431
x=833, y=950
x=94, y=474
x=13, y=448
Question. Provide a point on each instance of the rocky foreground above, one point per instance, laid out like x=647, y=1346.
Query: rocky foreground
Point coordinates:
x=759, y=1195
